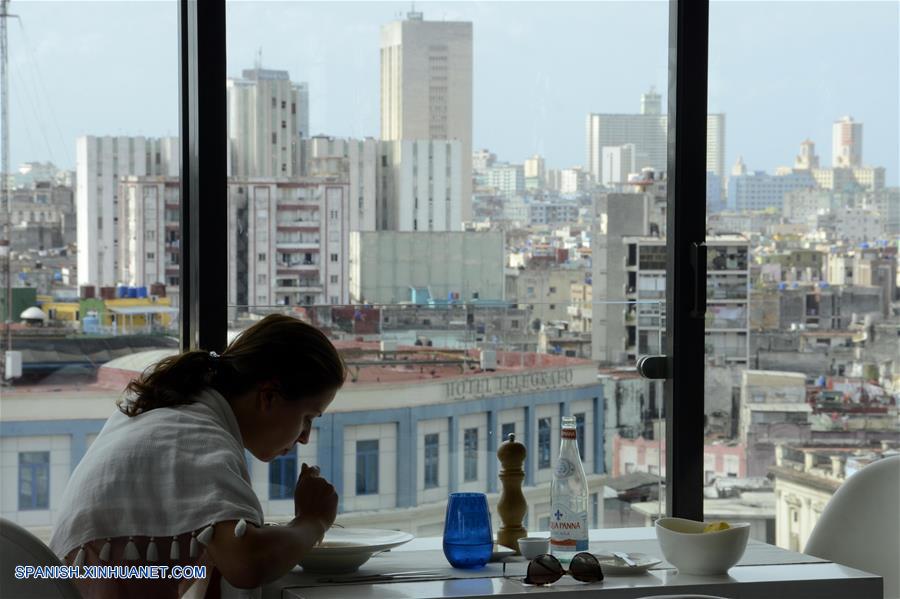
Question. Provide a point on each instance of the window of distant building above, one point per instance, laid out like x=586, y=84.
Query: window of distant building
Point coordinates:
x=283, y=476
x=367, y=467
x=544, y=443
x=34, y=480
x=470, y=443
x=431, y=460
x=579, y=433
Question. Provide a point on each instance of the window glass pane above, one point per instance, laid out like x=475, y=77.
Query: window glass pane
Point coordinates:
x=579, y=433
x=92, y=188
x=544, y=425
x=448, y=239
x=803, y=217
x=283, y=476
x=34, y=480
x=367, y=467
x=471, y=454
x=432, y=455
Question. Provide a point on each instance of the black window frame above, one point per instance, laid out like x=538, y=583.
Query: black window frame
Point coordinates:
x=202, y=77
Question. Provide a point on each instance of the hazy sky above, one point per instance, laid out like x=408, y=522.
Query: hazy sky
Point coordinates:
x=781, y=71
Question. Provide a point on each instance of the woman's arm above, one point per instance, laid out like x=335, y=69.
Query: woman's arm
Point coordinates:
x=262, y=554
x=265, y=554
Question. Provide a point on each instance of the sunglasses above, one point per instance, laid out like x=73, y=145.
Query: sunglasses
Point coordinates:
x=546, y=569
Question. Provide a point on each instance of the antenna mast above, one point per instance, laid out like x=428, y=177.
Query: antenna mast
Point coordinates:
x=4, y=163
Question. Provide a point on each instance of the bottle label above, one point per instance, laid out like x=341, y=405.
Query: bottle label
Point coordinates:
x=568, y=529
x=564, y=468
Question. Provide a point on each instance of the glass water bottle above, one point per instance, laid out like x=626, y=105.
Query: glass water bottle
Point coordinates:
x=568, y=498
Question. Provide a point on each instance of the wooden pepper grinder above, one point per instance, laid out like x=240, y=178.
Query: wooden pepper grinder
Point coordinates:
x=512, y=505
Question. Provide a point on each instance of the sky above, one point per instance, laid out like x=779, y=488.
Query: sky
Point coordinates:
x=780, y=71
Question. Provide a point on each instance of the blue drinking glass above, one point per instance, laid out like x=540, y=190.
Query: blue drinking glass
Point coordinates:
x=468, y=539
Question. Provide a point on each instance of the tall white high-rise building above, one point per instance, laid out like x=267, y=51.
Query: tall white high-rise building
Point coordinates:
x=426, y=88
x=535, y=168
x=100, y=164
x=846, y=143
x=618, y=163
x=648, y=132
x=267, y=116
x=358, y=162
x=422, y=184
x=807, y=158
x=506, y=179
x=149, y=232
x=651, y=102
x=715, y=144
x=289, y=241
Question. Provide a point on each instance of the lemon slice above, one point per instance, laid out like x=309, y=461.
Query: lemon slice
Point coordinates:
x=716, y=526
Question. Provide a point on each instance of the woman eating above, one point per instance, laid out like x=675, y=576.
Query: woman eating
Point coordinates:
x=166, y=481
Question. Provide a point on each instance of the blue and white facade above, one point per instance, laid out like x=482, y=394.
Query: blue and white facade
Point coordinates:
x=393, y=450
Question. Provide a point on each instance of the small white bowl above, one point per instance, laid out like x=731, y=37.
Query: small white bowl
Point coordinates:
x=531, y=547
x=692, y=551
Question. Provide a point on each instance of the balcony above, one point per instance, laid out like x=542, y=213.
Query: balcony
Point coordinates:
x=296, y=268
x=312, y=246
x=299, y=287
x=727, y=292
x=297, y=224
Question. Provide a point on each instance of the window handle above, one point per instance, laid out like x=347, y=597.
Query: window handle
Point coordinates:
x=653, y=367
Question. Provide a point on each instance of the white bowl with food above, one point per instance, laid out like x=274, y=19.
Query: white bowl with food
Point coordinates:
x=344, y=550
x=704, y=548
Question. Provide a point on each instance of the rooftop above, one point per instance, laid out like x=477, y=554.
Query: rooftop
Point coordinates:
x=367, y=363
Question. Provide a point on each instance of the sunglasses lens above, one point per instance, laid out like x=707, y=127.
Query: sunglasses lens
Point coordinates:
x=544, y=569
x=586, y=568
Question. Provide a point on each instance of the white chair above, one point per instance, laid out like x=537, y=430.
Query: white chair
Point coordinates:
x=860, y=526
x=18, y=547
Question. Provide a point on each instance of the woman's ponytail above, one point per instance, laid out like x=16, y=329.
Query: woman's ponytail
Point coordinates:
x=279, y=348
x=171, y=382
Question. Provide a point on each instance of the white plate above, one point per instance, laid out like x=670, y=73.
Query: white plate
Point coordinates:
x=344, y=550
x=616, y=567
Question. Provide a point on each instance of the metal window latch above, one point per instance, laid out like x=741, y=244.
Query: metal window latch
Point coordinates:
x=653, y=367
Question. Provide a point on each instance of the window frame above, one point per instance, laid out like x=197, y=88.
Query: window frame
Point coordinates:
x=204, y=151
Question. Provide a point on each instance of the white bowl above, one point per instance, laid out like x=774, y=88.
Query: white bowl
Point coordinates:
x=531, y=547
x=344, y=550
x=692, y=551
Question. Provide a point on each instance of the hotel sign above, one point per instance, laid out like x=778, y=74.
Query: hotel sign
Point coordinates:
x=476, y=387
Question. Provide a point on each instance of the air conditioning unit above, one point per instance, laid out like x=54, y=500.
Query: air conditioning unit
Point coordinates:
x=488, y=359
x=388, y=346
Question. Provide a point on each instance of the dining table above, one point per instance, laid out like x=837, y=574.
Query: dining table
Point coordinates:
x=764, y=572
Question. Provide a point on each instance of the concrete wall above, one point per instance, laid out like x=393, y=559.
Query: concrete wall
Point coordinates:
x=385, y=264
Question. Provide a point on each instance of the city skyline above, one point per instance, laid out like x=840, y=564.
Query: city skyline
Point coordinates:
x=339, y=60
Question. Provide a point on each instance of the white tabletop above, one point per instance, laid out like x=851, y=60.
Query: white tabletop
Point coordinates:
x=764, y=572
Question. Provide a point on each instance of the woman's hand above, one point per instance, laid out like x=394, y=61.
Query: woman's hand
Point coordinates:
x=315, y=497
